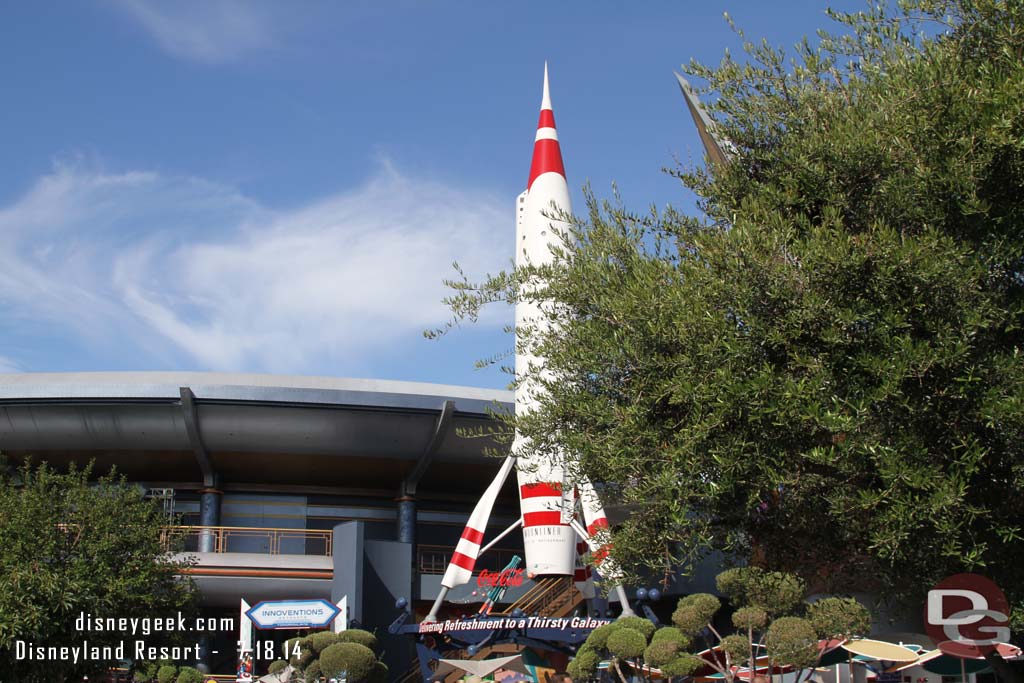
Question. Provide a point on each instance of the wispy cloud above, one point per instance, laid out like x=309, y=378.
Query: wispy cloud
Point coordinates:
x=148, y=261
x=8, y=365
x=211, y=31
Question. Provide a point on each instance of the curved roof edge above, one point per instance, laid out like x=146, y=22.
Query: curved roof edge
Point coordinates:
x=240, y=387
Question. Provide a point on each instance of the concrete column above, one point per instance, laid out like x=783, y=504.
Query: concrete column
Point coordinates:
x=406, y=519
x=407, y=534
x=209, y=515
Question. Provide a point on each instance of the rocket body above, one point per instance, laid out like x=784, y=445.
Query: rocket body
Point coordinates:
x=546, y=499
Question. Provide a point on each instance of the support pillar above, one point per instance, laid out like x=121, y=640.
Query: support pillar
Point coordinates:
x=407, y=520
x=209, y=515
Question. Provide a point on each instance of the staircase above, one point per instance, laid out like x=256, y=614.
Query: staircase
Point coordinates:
x=552, y=596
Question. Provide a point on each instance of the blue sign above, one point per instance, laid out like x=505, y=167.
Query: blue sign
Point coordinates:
x=271, y=614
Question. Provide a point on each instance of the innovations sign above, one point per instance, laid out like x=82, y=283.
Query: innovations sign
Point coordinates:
x=271, y=614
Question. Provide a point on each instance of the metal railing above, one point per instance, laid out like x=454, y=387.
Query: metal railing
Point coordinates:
x=430, y=559
x=238, y=539
x=434, y=559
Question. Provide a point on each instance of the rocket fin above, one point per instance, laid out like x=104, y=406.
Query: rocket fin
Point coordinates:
x=460, y=569
x=719, y=150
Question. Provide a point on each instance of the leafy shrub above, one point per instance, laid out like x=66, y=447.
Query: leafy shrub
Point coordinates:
x=792, y=640
x=626, y=643
x=683, y=665
x=672, y=635
x=166, y=673
x=188, y=674
x=749, y=618
x=277, y=665
x=598, y=638
x=661, y=652
x=839, y=618
x=355, y=659
x=145, y=671
x=322, y=640
x=645, y=626
x=355, y=635
x=694, y=612
x=584, y=665
x=737, y=647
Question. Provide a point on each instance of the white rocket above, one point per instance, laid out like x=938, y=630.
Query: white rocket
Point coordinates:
x=547, y=500
x=545, y=497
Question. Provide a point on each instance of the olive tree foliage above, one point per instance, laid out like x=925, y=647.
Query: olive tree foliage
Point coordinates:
x=71, y=543
x=774, y=628
x=822, y=372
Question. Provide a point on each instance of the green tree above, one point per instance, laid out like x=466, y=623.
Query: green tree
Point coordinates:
x=822, y=373
x=70, y=546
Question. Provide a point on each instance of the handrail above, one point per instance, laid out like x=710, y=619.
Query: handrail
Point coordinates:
x=277, y=541
x=553, y=596
x=434, y=559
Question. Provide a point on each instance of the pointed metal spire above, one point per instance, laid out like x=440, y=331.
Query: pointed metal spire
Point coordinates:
x=545, y=102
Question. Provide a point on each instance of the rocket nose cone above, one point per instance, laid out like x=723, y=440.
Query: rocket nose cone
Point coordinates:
x=547, y=155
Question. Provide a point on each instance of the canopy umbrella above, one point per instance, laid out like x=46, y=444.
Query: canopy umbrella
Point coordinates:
x=938, y=662
x=282, y=676
x=480, y=667
x=879, y=651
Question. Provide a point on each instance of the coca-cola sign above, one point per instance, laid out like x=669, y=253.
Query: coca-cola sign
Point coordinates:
x=504, y=579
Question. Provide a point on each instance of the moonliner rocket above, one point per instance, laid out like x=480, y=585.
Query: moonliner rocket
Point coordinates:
x=548, y=503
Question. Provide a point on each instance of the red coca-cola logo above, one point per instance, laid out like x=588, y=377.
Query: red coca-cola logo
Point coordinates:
x=504, y=579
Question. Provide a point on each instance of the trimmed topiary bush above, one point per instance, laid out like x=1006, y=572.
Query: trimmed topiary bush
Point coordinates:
x=737, y=647
x=750, y=618
x=188, y=674
x=792, y=640
x=277, y=665
x=661, y=652
x=145, y=671
x=694, y=612
x=355, y=635
x=672, y=635
x=355, y=659
x=312, y=672
x=627, y=643
x=598, y=638
x=166, y=673
x=584, y=665
x=645, y=626
x=322, y=640
x=682, y=666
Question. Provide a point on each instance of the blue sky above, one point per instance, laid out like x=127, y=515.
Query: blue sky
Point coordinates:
x=281, y=187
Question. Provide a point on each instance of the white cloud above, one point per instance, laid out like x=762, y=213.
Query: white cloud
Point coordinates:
x=210, y=31
x=8, y=365
x=139, y=258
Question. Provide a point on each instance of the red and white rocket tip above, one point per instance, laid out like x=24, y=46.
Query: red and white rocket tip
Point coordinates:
x=545, y=498
x=547, y=155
